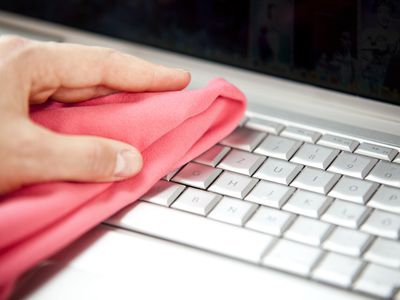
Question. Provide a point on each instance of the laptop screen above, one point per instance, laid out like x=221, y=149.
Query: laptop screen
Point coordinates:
x=351, y=46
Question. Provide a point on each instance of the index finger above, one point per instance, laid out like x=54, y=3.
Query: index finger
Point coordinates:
x=57, y=65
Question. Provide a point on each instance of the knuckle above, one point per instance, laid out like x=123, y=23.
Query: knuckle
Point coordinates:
x=15, y=47
x=12, y=48
x=18, y=51
x=29, y=53
x=13, y=41
x=26, y=146
x=108, y=57
x=20, y=156
x=19, y=136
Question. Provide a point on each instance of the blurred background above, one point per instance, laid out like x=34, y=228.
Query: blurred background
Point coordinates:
x=346, y=45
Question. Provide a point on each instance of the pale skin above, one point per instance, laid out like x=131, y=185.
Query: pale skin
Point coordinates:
x=33, y=72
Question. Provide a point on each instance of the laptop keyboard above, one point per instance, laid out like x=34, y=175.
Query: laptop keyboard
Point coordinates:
x=316, y=205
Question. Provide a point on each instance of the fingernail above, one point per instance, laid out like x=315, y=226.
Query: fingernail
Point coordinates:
x=128, y=163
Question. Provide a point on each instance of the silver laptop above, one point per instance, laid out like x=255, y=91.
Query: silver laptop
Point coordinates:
x=301, y=201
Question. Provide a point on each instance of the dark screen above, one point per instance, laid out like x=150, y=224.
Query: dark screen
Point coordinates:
x=347, y=45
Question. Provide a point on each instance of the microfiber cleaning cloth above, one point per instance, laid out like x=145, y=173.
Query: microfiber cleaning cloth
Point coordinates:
x=168, y=128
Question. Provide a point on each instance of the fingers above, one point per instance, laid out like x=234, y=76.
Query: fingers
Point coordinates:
x=72, y=95
x=76, y=67
x=11, y=43
x=42, y=155
x=88, y=158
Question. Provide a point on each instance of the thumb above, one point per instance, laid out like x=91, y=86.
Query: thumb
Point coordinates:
x=83, y=158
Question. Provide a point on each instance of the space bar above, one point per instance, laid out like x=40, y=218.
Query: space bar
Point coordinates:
x=193, y=230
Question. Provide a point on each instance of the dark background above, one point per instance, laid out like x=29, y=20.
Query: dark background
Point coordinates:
x=347, y=45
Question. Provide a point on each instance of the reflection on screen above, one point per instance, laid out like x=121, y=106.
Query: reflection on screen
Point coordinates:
x=347, y=45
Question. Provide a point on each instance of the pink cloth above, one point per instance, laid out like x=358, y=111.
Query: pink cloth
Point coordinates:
x=169, y=128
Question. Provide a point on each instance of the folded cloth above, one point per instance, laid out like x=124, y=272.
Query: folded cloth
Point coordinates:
x=169, y=129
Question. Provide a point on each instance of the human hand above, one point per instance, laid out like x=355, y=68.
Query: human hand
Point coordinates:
x=32, y=72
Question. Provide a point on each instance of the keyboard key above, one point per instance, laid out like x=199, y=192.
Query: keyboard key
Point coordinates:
x=264, y=125
x=278, y=170
x=308, y=204
x=386, y=173
x=384, y=252
x=232, y=211
x=378, y=281
x=169, y=176
x=163, y=193
x=397, y=158
x=338, y=269
x=308, y=231
x=383, y=224
x=315, y=156
x=376, y=151
x=270, y=194
x=197, y=175
x=243, y=121
x=353, y=165
x=232, y=184
x=338, y=142
x=348, y=241
x=386, y=198
x=301, y=134
x=193, y=230
x=292, y=257
x=213, y=156
x=279, y=147
x=345, y=214
x=196, y=201
x=353, y=189
x=241, y=162
x=270, y=220
x=315, y=180
x=244, y=138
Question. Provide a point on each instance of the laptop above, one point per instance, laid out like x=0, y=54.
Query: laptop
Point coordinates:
x=301, y=201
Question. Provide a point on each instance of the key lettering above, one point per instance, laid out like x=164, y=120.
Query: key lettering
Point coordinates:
x=270, y=219
x=348, y=215
x=232, y=209
x=270, y=193
x=353, y=188
x=337, y=140
x=386, y=222
x=240, y=161
x=233, y=183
